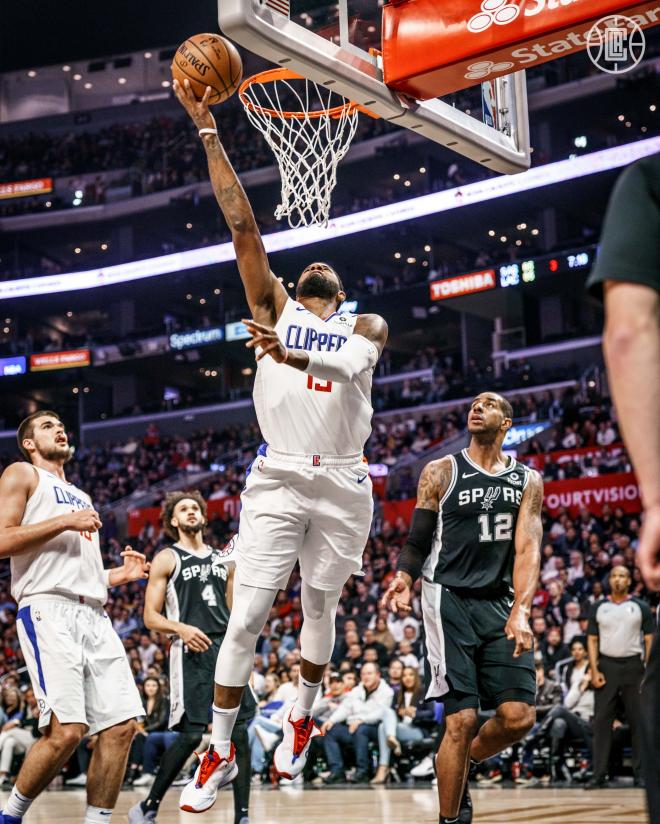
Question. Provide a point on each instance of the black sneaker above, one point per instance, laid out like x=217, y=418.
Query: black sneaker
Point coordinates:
x=465, y=810
x=596, y=783
x=335, y=778
x=361, y=778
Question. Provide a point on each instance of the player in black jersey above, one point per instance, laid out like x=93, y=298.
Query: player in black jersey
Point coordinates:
x=191, y=582
x=475, y=537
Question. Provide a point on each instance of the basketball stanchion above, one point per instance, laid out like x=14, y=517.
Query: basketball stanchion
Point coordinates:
x=309, y=129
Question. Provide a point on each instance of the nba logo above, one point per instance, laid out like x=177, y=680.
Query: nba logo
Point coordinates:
x=316, y=460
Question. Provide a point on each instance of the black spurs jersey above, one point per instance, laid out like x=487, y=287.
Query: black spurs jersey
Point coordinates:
x=196, y=590
x=473, y=545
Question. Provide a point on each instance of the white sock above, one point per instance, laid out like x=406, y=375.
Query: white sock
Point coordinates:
x=223, y=724
x=97, y=815
x=17, y=804
x=307, y=693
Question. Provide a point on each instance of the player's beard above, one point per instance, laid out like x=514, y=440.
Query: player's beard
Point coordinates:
x=191, y=529
x=317, y=286
x=56, y=453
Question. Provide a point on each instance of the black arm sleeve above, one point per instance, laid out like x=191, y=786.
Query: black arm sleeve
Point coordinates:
x=418, y=546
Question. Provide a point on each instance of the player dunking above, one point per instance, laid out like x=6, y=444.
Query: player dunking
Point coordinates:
x=475, y=538
x=308, y=497
x=77, y=663
x=192, y=583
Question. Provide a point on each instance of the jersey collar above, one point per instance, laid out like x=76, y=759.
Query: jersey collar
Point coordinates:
x=512, y=463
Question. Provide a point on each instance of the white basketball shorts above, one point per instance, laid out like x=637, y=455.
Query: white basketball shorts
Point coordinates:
x=308, y=508
x=77, y=663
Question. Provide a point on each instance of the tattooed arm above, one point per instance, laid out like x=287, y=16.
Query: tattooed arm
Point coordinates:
x=265, y=294
x=433, y=483
x=526, y=566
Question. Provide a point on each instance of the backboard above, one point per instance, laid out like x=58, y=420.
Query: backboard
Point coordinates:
x=330, y=44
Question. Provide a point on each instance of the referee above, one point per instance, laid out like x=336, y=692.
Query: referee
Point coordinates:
x=616, y=626
x=628, y=272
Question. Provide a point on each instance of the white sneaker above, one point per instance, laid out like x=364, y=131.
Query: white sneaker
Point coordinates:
x=291, y=755
x=424, y=769
x=268, y=739
x=79, y=781
x=145, y=780
x=137, y=816
x=213, y=773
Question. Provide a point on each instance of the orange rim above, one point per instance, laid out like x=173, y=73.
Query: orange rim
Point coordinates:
x=271, y=76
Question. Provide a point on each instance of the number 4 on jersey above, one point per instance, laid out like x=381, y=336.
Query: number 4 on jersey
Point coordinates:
x=208, y=595
x=318, y=386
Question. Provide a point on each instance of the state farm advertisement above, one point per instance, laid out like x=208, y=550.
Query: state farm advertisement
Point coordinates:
x=23, y=188
x=431, y=49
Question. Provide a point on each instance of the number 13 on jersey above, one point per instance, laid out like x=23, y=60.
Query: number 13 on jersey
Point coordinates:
x=318, y=386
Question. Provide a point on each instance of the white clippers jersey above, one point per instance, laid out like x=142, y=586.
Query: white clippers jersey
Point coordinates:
x=299, y=414
x=69, y=564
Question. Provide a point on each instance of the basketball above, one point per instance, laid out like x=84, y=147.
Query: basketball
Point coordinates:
x=208, y=60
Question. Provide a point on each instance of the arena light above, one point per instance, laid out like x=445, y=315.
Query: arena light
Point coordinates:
x=435, y=203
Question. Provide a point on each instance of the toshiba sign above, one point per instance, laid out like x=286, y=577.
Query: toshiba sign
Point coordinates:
x=431, y=49
x=462, y=285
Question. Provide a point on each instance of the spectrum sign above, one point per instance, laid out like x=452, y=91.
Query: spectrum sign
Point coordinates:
x=462, y=285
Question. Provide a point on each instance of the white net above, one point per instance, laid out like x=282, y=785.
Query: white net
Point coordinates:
x=308, y=141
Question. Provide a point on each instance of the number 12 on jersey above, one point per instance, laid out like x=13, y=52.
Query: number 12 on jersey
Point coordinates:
x=503, y=527
x=318, y=386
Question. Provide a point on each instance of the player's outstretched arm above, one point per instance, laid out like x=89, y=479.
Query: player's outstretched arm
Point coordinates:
x=17, y=483
x=265, y=294
x=433, y=483
x=154, y=601
x=357, y=355
x=526, y=564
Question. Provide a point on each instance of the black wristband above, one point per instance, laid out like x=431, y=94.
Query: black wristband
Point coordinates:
x=420, y=540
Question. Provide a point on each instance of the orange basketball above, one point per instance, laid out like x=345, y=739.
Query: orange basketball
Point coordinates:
x=208, y=60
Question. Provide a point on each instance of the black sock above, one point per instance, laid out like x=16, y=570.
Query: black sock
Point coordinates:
x=174, y=757
x=241, y=784
x=445, y=820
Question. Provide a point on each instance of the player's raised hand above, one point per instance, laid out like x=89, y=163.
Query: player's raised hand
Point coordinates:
x=194, y=638
x=267, y=339
x=136, y=566
x=397, y=597
x=517, y=629
x=83, y=520
x=197, y=109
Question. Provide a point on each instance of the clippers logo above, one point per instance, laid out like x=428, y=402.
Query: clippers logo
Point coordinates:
x=484, y=68
x=492, y=494
x=493, y=12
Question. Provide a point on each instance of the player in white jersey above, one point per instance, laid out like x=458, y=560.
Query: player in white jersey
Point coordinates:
x=308, y=496
x=76, y=661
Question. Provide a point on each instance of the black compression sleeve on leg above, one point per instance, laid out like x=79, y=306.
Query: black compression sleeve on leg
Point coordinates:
x=174, y=757
x=241, y=785
x=418, y=546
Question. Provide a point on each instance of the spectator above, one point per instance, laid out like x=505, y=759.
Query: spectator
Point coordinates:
x=153, y=737
x=408, y=720
x=18, y=735
x=355, y=723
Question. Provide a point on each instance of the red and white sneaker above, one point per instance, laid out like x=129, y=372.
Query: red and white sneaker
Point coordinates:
x=213, y=773
x=291, y=754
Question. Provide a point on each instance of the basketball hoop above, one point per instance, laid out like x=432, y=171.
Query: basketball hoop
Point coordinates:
x=308, y=141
